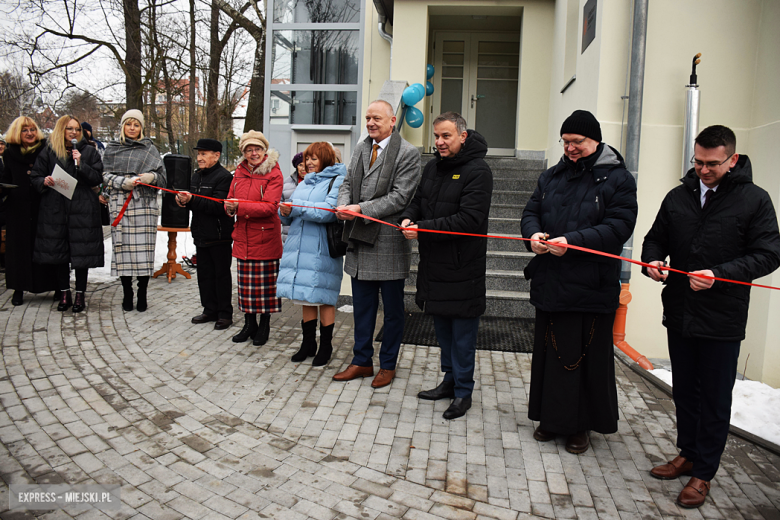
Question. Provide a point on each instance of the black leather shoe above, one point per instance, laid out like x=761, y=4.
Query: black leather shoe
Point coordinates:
x=223, y=323
x=458, y=408
x=543, y=436
x=445, y=390
x=65, y=301
x=203, y=318
x=578, y=443
x=18, y=298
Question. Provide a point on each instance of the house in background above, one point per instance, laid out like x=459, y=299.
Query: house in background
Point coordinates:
x=517, y=68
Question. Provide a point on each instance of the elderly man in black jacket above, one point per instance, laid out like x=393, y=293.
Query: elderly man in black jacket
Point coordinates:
x=454, y=195
x=716, y=224
x=212, y=231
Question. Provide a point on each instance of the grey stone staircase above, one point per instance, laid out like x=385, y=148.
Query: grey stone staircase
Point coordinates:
x=507, y=289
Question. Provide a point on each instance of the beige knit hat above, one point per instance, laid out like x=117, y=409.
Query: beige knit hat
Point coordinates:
x=253, y=137
x=134, y=114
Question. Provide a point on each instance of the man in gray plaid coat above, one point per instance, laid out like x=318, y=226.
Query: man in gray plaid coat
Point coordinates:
x=380, y=183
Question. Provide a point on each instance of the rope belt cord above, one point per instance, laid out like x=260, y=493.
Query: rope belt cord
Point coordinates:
x=360, y=215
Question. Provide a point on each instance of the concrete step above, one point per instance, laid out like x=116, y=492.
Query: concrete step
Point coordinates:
x=504, y=226
x=502, y=244
x=499, y=260
x=505, y=304
x=506, y=211
x=501, y=163
x=495, y=280
x=517, y=198
x=514, y=183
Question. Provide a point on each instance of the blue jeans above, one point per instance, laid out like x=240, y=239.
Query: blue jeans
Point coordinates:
x=365, y=302
x=458, y=341
x=703, y=374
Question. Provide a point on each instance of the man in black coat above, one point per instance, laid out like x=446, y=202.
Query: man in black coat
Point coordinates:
x=716, y=224
x=212, y=231
x=453, y=195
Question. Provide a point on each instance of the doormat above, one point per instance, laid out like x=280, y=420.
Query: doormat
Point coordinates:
x=498, y=334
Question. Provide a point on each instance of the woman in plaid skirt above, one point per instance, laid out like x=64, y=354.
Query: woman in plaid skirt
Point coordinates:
x=257, y=234
x=308, y=275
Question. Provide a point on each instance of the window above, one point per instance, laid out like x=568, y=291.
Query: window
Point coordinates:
x=316, y=11
x=315, y=57
x=314, y=108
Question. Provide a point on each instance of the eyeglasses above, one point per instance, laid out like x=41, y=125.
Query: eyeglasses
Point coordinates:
x=250, y=151
x=576, y=144
x=73, y=129
x=710, y=165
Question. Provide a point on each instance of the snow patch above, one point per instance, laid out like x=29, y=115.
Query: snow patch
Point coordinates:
x=346, y=308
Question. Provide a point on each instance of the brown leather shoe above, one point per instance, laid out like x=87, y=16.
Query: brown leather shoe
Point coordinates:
x=672, y=469
x=694, y=493
x=578, y=443
x=353, y=372
x=383, y=378
x=223, y=323
x=543, y=436
x=203, y=318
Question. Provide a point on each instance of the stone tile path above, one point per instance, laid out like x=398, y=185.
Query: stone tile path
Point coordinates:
x=193, y=425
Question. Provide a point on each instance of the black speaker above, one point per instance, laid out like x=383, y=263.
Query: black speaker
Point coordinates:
x=177, y=168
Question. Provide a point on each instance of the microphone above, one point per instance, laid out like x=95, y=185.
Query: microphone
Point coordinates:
x=74, y=143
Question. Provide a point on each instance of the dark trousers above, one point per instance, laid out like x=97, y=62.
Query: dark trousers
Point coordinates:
x=63, y=278
x=703, y=374
x=458, y=341
x=215, y=282
x=365, y=302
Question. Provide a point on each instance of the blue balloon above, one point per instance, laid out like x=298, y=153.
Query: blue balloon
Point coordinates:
x=428, y=88
x=429, y=71
x=420, y=88
x=412, y=95
x=414, y=117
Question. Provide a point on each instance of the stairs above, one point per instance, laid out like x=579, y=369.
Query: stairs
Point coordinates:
x=507, y=289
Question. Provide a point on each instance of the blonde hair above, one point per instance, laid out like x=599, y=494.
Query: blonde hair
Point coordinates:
x=14, y=133
x=122, y=130
x=57, y=139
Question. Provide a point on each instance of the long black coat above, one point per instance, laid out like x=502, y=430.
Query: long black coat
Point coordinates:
x=736, y=237
x=454, y=194
x=210, y=224
x=21, y=213
x=592, y=203
x=70, y=230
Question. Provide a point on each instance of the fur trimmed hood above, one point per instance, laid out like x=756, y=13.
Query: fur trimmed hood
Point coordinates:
x=271, y=160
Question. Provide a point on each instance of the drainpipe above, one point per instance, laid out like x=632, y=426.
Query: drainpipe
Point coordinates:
x=691, y=122
x=634, y=127
x=384, y=34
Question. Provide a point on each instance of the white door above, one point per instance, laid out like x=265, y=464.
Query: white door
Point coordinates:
x=477, y=75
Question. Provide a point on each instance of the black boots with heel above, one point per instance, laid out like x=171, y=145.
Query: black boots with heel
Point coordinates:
x=263, y=330
x=143, y=283
x=249, y=330
x=326, y=346
x=309, y=343
x=127, y=292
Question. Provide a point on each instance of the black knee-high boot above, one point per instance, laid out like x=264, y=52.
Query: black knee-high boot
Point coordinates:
x=143, y=283
x=127, y=290
x=249, y=330
x=309, y=343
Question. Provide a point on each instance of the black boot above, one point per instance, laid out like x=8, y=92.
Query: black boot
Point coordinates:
x=326, y=347
x=143, y=283
x=18, y=298
x=65, y=301
x=79, y=304
x=309, y=343
x=249, y=330
x=57, y=296
x=263, y=330
x=127, y=291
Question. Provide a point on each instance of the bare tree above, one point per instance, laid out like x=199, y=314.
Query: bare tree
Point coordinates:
x=17, y=98
x=82, y=105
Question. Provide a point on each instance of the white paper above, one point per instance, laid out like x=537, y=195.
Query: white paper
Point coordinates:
x=63, y=183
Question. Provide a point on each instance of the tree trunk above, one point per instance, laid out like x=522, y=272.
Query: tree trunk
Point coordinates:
x=192, y=138
x=254, y=109
x=213, y=113
x=133, y=82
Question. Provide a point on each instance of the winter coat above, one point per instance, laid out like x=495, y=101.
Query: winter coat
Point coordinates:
x=21, y=216
x=736, y=237
x=307, y=272
x=290, y=183
x=454, y=195
x=391, y=256
x=69, y=230
x=210, y=224
x=592, y=203
x=257, y=234
x=134, y=238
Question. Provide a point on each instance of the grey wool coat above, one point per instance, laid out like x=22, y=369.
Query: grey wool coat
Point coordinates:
x=391, y=257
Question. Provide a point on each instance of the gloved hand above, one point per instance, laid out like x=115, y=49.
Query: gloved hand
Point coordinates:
x=128, y=185
x=147, y=178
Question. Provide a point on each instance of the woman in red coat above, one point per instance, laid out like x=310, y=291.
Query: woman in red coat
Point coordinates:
x=257, y=235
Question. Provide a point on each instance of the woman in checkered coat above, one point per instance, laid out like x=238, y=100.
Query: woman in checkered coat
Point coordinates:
x=126, y=163
x=257, y=234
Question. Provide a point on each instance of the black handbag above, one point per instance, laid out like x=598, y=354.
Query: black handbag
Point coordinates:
x=334, y=232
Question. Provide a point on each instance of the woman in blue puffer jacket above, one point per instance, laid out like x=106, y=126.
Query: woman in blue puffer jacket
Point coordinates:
x=307, y=274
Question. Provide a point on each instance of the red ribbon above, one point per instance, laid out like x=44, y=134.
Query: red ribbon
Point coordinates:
x=570, y=246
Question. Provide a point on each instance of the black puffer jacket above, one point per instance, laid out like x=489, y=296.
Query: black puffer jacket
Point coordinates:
x=592, y=203
x=210, y=224
x=736, y=237
x=453, y=195
x=69, y=230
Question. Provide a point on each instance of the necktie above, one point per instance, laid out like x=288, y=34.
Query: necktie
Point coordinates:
x=373, y=155
x=707, y=198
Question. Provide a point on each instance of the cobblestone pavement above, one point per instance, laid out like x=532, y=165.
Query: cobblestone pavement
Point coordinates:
x=193, y=425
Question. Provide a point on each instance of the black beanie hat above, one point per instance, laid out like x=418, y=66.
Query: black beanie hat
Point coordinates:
x=582, y=122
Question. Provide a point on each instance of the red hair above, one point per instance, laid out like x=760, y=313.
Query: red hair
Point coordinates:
x=323, y=151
